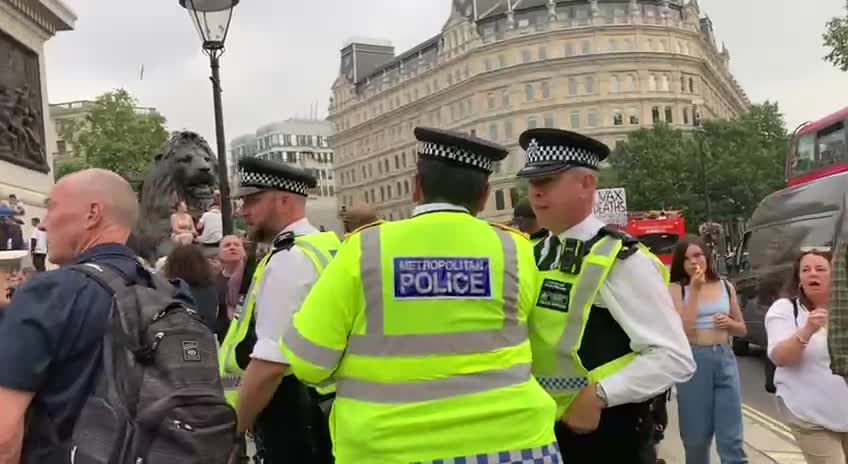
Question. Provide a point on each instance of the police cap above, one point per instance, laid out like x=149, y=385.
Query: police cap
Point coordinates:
x=550, y=151
x=259, y=175
x=460, y=149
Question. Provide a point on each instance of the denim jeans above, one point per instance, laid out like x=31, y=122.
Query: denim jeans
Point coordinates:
x=709, y=404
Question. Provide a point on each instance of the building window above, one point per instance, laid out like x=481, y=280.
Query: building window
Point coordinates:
x=589, y=85
x=549, y=120
x=586, y=47
x=528, y=91
x=505, y=98
x=397, y=162
x=367, y=199
x=507, y=129
x=493, y=131
x=632, y=85
x=655, y=115
x=525, y=56
x=634, y=116
x=575, y=119
x=652, y=83
x=543, y=53
x=513, y=196
x=379, y=167
x=398, y=188
x=382, y=193
x=686, y=115
x=669, y=115
x=389, y=191
x=682, y=84
x=691, y=85
x=617, y=118
x=614, y=85
x=666, y=83
x=406, y=187
x=569, y=49
x=490, y=98
x=403, y=159
x=546, y=89
x=499, y=200
x=572, y=86
x=592, y=118
x=487, y=63
x=531, y=122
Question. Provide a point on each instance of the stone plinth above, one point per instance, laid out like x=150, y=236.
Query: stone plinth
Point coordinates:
x=26, y=165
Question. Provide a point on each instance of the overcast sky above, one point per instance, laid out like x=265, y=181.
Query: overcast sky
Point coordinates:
x=283, y=55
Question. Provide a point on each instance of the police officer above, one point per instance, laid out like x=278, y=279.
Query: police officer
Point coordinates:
x=608, y=339
x=423, y=324
x=288, y=423
x=524, y=219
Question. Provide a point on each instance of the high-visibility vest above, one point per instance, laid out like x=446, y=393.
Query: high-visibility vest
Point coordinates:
x=423, y=325
x=576, y=343
x=319, y=248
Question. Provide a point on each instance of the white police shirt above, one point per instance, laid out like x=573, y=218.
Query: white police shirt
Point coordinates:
x=638, y=299
x=286, y=283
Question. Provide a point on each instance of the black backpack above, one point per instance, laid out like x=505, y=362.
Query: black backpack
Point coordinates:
x=159, y=398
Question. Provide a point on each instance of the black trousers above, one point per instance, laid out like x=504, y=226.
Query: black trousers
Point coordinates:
x=38, y=262
x=624, y=436
x=293, y=429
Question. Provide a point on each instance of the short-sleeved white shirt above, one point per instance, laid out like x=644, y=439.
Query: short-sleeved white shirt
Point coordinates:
x=286, y=283
x=809, y=390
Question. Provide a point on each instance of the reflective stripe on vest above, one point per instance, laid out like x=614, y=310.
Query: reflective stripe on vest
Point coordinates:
x=375, y=343
x=571, y=376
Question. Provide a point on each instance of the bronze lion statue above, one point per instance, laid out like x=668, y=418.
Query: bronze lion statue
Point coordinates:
x=185, y=170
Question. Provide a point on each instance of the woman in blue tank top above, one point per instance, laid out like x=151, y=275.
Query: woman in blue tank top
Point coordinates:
x=709, y=404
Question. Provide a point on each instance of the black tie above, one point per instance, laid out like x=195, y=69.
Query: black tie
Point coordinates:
x=553, y=249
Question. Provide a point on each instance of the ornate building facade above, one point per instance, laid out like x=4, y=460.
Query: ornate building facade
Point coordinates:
x=499, y=67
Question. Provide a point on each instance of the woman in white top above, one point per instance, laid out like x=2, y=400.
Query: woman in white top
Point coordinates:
x=813, y=400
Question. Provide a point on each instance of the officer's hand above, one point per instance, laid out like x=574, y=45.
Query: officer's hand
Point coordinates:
x=584, y=414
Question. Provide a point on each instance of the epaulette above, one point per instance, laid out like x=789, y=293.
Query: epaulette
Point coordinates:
x=366, y=226
x=510, y=229
x=629, y=243
x=283, y=242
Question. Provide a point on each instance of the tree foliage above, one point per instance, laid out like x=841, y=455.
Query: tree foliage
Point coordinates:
x=836, y=40
x=114, y=136
x=743, y=161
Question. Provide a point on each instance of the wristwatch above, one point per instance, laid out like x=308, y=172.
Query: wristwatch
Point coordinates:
x=601, y=394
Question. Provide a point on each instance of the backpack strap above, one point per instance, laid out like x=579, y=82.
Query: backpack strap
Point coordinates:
x=727, y=289
x=108, y=277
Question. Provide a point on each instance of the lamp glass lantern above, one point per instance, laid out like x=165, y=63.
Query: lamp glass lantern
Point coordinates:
x=212, y=20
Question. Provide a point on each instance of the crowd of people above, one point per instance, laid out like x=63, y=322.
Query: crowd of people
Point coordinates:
x=440, y=338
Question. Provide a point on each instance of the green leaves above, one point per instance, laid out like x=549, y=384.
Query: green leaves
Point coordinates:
x=836, y=40
x=743, y=161
x=115, y=135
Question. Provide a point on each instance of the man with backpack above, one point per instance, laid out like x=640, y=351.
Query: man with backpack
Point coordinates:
x=61, y=401
x=285, y=415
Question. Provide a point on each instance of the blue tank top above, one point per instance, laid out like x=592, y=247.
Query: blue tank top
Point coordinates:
x=706, y=310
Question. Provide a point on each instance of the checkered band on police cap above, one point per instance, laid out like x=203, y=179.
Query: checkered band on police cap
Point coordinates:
x=270, y=181
x=457, y=154
x=557, y=153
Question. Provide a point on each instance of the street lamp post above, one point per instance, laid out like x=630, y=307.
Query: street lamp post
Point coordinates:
x=212, y=20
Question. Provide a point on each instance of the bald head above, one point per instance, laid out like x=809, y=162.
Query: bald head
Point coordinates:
x=88, y=208
x=120, y=204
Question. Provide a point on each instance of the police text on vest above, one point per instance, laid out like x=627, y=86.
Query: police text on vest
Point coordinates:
x=442, y=278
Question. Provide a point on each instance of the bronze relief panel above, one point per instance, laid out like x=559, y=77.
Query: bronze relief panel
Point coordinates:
x=22, y=140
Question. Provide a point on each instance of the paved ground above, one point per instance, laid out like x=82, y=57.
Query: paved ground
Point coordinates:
x=767, y=439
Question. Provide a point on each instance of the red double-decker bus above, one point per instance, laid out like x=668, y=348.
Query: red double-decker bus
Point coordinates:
x=658, y=230
x=819, y=149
